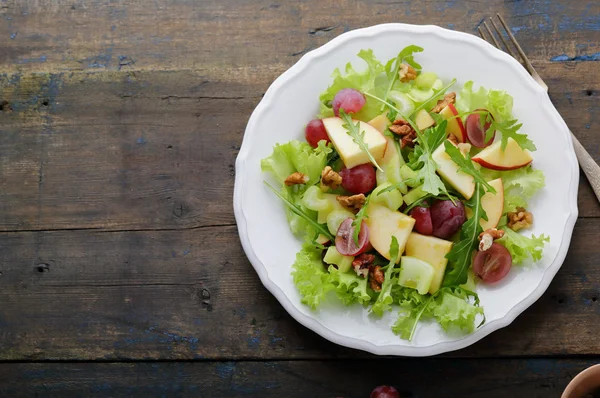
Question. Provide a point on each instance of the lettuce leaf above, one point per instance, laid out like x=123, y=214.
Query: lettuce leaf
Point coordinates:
x=297, y=156
x=454, y=310
x=522, y=248
x=451, y=308
x=349, y=287
x=498, y=102
x=371, y=80
x=519, y=185
x=311, y=279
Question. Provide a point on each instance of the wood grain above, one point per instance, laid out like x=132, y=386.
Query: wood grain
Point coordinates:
x=531, y=378
x=192, y=294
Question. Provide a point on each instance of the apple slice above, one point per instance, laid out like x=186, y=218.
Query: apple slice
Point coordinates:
x=349, y=150
x=450, y=172
x=455, y=125
x=493, y=204
x=424, y=120
x=380, y=122
x=384, y=223
x=432, y=250
x=512, y=157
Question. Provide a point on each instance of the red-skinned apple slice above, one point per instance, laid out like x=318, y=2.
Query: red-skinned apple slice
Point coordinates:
x=513, y=156
x=455, y=125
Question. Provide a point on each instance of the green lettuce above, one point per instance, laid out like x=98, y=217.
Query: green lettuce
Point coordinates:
x=311, y=279
x=297, y=156
x=520, y=185
x=371, y=80
x=291, y=157
x=349, y=287
x=451, y=308
x=522, y=248
x=498, y=102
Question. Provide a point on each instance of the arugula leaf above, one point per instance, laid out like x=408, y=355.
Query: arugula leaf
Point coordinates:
x=460, y=255
x=393, y=66
x=298, y=211
x=522, y=248
x=465, y=165
x=427, y=143
x=358, y=136
x=509, y=129
x=384, y=300
x=360, y=216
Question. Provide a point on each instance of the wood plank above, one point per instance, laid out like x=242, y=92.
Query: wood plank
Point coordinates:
x=491, y=378
x=156, y=150
x=191, y=294
x=62, y=35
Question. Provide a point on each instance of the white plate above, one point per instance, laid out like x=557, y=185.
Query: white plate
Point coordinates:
x=292, y=100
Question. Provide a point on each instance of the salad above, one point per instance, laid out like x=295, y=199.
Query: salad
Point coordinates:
x=408, y=195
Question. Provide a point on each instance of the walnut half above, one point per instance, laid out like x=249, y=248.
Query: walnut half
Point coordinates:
x=406, y=73
x=361, y=264
x=402, y=128
x=352, y=203
x=296, y=178
x=449, y=98
x=330, y=179
x=488, y=237
x=519, y=219
x=376, y=278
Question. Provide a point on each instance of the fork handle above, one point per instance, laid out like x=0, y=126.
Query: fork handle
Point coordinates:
x=588, y=165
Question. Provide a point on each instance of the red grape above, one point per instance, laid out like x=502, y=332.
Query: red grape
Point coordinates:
x=493, y=264
x=422, y=216
x=359, y=179
x=348, y=99
x=315, y=132
x=385, y=392
x=344, y=239
x=447, y=218
x=476, y=132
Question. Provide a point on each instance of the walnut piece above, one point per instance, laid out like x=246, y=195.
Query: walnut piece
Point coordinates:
x=449, y=98
x=452, y=138
x=296, y=178
x=376, y=278
x=487, y=237
x=352, y=203
x=361, y=264
x=402, y=128
x=406, y=73
x=519, y=219
x=330, y=179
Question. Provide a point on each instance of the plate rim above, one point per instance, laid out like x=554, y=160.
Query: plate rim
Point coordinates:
x=395, y=349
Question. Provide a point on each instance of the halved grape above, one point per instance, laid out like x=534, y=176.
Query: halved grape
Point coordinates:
x=348, y=99
x=476, y=129
x=344, y=240
x=493, y=264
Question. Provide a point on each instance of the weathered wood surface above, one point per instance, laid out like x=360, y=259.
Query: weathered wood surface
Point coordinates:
x=119, y=127
x=414, y=378
x=140, y=295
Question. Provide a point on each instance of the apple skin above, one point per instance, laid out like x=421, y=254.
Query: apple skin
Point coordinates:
x=494, y=158
x=493, y=204
x=455, y=124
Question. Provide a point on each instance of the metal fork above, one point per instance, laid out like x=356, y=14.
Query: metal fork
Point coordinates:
x=586, y=162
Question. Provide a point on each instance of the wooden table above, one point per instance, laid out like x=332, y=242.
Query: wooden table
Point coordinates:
x=121, y=272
